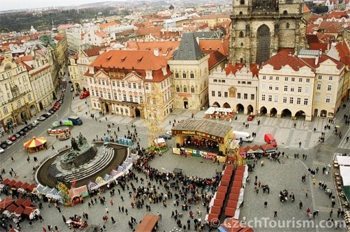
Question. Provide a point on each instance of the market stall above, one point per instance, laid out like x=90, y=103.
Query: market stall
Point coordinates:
x=196, y=136
x=35, y=144
x=219, y=113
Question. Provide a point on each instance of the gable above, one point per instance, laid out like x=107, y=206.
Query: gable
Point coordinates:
x=132, y=77
x=101, y=74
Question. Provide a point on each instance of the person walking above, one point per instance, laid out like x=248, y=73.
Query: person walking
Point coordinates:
x=300, y=205
x=265, y=204
x=275, y=214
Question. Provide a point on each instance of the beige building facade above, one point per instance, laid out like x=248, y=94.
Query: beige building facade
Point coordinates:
x=16, y=97
x=131, y=83
x=234, y=87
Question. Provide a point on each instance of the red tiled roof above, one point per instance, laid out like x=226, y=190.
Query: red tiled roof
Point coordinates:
x=319, y=46
x=94, y=51
x=143, y=31
x=344, y=52
x=337, y=14
x=166, y=48
x=232, y=69
x=126, y=59
x=284, y=58
x=133, y=61
x=109, y=24
x=331, y=27
x=215, y=45
x=215, y=57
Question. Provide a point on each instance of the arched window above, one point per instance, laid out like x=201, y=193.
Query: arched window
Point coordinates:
x=240, y=13
x=192, y=89
x=177, y=88
x=285, y=12
x=287, y=25
x=185, y=89
x=241, y=44
x=241, y=34
x=242, y=2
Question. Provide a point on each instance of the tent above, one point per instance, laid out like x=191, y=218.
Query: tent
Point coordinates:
x=148, y=223
x=35, y=144
x=343, y=160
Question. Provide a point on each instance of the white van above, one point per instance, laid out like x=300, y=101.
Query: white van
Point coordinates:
x=244, y=136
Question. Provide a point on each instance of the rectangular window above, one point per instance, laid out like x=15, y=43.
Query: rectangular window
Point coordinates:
x=307, y=80
x=270, y=98
x=123, y=84
x=239, y=95
x=271, y=77
x=130, y=97
x=291, y=100
x=293, y=79
x=299, y=89
x=264, y=77
x=276, y=88
x=328, y=100
x=141, y=99
x=215, y=80
x=285, y=88
x=292, y=89
x=245, y=96
x=249, y=82
x=329, y=88
x=124, y=97
x=139, y=86
x=213, y=93
x=263, y=97
x=286, y=79
x=298, y=101
x=176, y=75
x=300, y=80
x=320, y=77
x=192, y=75
x=330, y=78
x=134, y=85
x=306, y=101
x=277, y=78
x=226, y=94
x=252, y=96
x=113, y=83
x=270, y=87
x=183, y=75
x=219, y=93
x=275, y=98
x=129, y=85
x=284, y=100
x=318, y=86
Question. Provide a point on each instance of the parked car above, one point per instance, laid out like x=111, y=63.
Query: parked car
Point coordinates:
x=35, y=123
x=84, y=94
x=52, y=111
x=3, y=145
x=25, y=129
x=12, y=138
x=47, y=114
x=1, y=150
x=41, y=118
x=9, y=142
x=29, y=126
x=21, y=133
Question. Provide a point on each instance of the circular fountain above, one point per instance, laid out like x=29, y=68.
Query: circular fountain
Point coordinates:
x=81, y=163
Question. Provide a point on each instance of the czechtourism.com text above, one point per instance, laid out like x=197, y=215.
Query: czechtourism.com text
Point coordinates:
x=267, y=222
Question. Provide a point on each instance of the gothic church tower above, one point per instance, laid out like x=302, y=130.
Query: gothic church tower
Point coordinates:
x=261, y=27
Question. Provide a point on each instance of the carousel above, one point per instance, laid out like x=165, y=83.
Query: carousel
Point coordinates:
x=35, y=144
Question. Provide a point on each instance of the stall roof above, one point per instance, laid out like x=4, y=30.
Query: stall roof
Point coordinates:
x=147, y=224
x=345, y=174
x=204, y=126
x=343, y=160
